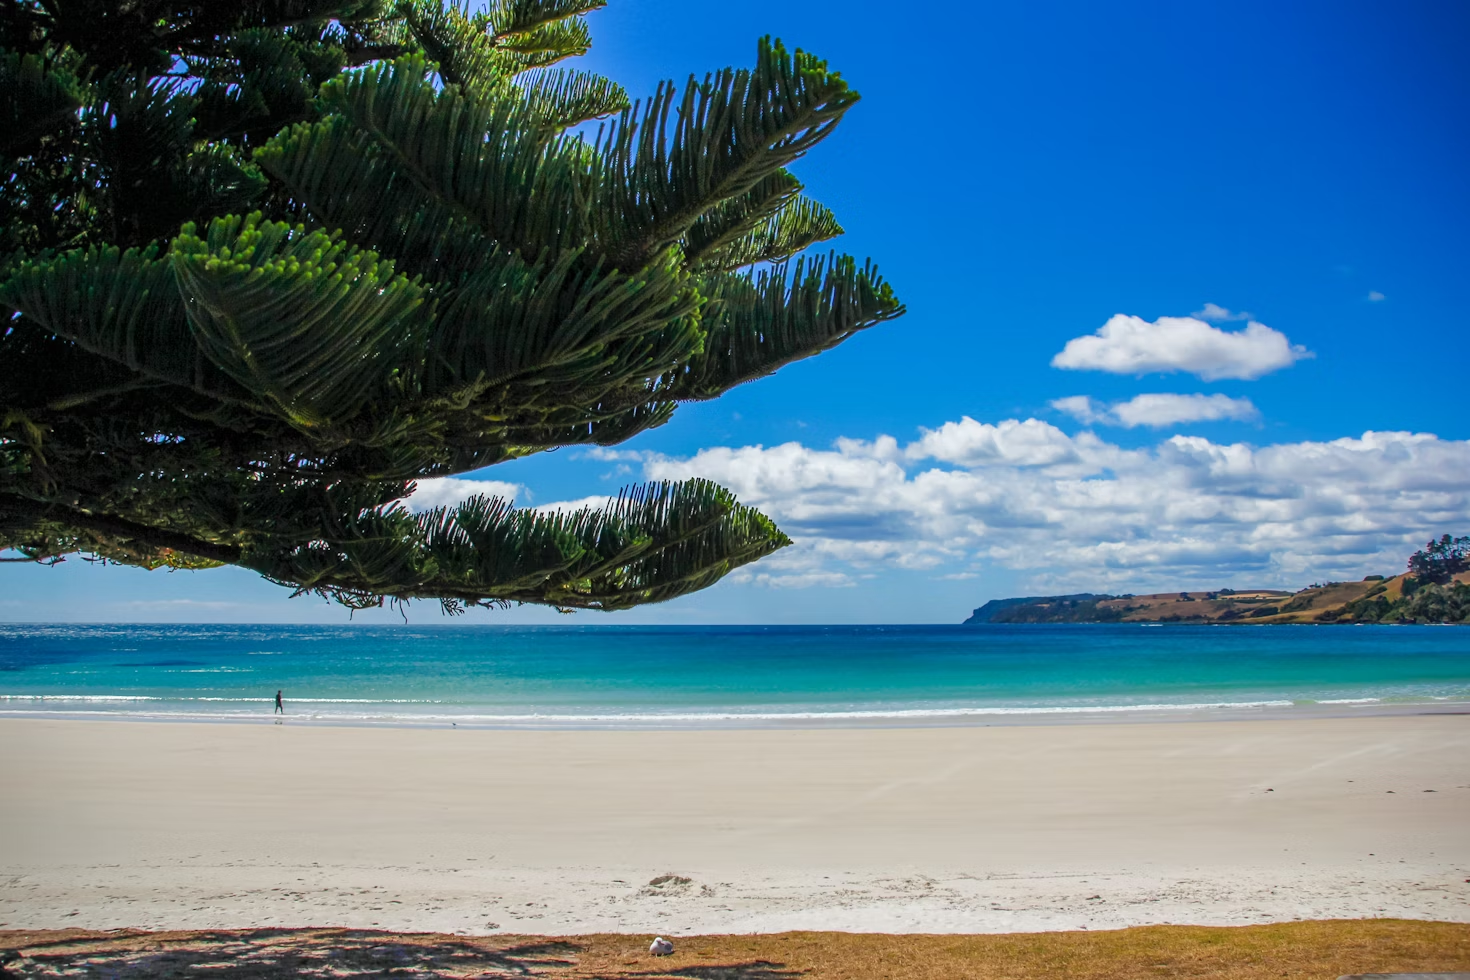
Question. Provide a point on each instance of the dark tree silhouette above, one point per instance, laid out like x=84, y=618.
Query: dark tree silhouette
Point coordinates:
x=1439, y=561
x=266, y=263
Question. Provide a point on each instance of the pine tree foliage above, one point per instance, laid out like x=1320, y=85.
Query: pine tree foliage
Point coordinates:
x=267, y=263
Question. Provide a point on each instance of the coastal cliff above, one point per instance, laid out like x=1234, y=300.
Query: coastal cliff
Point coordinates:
x=1002, y=607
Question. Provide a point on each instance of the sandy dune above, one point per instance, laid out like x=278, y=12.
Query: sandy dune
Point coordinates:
x=967, y=829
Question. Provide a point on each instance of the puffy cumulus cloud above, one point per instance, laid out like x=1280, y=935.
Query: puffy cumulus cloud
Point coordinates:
x=1158, y=410
x=446, y=491
x=1216, y=312
x=1010, y=443
x=1079, y=511
x=598, y=502
x=1133, y=345
x=1082, y=408
x=796, y=579
x=839, y=496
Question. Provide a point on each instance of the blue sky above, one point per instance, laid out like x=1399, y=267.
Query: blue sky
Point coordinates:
x=1023, y=172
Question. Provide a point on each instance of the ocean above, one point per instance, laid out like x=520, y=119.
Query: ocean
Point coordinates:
x=712, y=676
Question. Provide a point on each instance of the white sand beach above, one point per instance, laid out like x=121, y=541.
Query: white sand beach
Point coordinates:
x=969, y=829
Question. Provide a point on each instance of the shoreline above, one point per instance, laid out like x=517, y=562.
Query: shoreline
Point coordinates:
x=965, y=829
x=611, y=678
x=898, y=718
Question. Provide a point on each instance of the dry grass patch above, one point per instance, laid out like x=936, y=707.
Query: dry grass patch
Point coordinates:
x=1315, y=950
x=1268, y=952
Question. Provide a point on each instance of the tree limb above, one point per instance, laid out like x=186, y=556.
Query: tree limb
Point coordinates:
x=155, y=537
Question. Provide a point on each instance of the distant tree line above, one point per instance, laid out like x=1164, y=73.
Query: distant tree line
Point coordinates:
x=1440, y=561
x=1430, y=592
x=1060, y=611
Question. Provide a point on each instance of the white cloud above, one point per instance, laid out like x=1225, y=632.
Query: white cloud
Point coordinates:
x=1009, y=443
x=1158, y=410
x=1133, y=345
x=446, y=491
x=796, y=580
x=1374, y=296
x=584, y=503
x=1161, y=409
x=1081, y=408
x=179, y=604
x=1215, y=312
x=1079, y=511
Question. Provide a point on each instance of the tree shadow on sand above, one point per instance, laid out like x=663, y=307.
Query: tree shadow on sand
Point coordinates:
x=330, y=954
x=276, y=954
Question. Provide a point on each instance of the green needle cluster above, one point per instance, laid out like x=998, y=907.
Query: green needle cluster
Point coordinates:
x=265, y=264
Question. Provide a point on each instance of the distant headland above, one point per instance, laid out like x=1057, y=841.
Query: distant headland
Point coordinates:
x=1435, y=589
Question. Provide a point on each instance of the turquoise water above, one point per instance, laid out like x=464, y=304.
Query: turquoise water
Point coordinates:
x=642, y=676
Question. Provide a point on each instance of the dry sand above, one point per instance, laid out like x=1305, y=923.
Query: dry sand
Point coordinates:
x=969, y=829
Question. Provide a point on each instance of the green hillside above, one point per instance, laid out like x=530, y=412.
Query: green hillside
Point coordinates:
x=1436, y=589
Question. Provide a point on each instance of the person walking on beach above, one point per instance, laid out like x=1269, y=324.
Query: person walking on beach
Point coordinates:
x=280, y=708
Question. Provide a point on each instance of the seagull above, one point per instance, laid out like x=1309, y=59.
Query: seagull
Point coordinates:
x=660, y=946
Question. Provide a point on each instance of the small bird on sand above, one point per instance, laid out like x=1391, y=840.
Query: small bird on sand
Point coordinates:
x=660, y=946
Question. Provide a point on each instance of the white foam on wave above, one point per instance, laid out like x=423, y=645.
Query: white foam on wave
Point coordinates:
x=155, y=697
x=882, y=713
x=327, y=711
x=658, y=717
x=83, y=697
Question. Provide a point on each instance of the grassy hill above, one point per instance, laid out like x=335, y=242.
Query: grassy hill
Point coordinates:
x=1376, y=599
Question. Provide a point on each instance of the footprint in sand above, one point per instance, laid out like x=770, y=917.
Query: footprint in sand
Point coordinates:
x=673, y=886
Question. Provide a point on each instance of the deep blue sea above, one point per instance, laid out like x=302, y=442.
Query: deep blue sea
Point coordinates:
x=673, y=676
